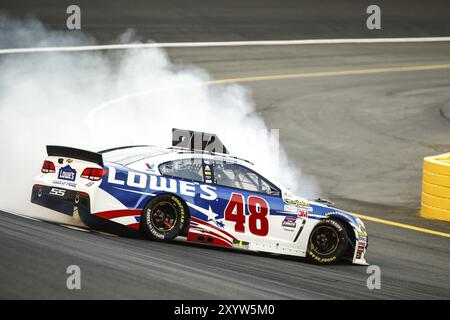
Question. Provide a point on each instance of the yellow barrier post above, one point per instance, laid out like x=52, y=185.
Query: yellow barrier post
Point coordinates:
x=436, y=187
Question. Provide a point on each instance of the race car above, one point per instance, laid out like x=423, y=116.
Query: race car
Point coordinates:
x=191, y=191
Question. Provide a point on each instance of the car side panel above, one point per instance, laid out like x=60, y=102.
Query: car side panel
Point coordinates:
x=207, y=204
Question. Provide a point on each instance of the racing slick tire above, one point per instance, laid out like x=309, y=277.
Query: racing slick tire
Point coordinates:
x=328, y=242
x=163, y=218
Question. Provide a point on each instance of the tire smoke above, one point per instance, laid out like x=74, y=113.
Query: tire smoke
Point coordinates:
x=101, y=99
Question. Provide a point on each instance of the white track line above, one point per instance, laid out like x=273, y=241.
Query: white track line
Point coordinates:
x=222, y=44
x=23, y=216
x=74, y=227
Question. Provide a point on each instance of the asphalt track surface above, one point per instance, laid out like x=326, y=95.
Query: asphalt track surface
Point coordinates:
x=363, y=137
x=224, y=20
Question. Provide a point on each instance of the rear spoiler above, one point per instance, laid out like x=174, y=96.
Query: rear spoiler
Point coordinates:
x=124, y=147
x=67, y=152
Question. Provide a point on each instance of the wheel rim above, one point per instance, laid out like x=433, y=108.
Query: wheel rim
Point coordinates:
x=324, y=240
x=163, y=216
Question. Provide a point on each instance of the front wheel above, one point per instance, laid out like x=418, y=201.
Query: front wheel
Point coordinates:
x=328, y=242
x=163, y=218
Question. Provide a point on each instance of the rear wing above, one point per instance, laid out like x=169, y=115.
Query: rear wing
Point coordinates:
x=67, y=152
x=197, y=141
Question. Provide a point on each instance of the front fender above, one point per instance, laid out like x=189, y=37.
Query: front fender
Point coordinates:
x=361, y=238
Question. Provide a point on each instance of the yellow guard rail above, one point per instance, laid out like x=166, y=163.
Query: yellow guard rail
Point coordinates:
x=436, y=187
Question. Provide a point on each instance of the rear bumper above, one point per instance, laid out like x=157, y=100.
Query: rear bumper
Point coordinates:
x=75, y=201
x=61, y=200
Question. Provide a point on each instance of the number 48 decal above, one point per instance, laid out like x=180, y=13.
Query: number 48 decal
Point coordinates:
x=258, y=209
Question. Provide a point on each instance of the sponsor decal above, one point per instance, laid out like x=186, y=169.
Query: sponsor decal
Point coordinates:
x=289, y=222
x=290, y=208
x=302, y=211
x=150, y=167
x=181, y=210
x=360, y=249
x=297, y=202
x=361, y=226
x=208, y=173
x=336, y=213
x=240, y=244
x=152, y=229
x=69, y=160
x=65, y=183
x=67, y=173
x=319, y=259
x=304, y=208
x=158, y=183
x=303, y=214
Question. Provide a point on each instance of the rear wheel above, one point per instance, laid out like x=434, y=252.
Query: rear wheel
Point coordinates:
x=328, y=242
x=163, y=218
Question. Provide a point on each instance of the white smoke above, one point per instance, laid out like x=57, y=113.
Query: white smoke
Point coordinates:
x=99, y=99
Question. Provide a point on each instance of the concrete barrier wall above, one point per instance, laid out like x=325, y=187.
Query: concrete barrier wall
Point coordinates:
x=436, y=187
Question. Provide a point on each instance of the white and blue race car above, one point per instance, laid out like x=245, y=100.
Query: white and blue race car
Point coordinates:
x=189, y=191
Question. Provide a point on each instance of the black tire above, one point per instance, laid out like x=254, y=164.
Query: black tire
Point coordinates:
x=163, y=218
x=328, y=242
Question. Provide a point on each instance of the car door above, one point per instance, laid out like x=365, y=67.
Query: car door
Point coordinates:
x=249, y=206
